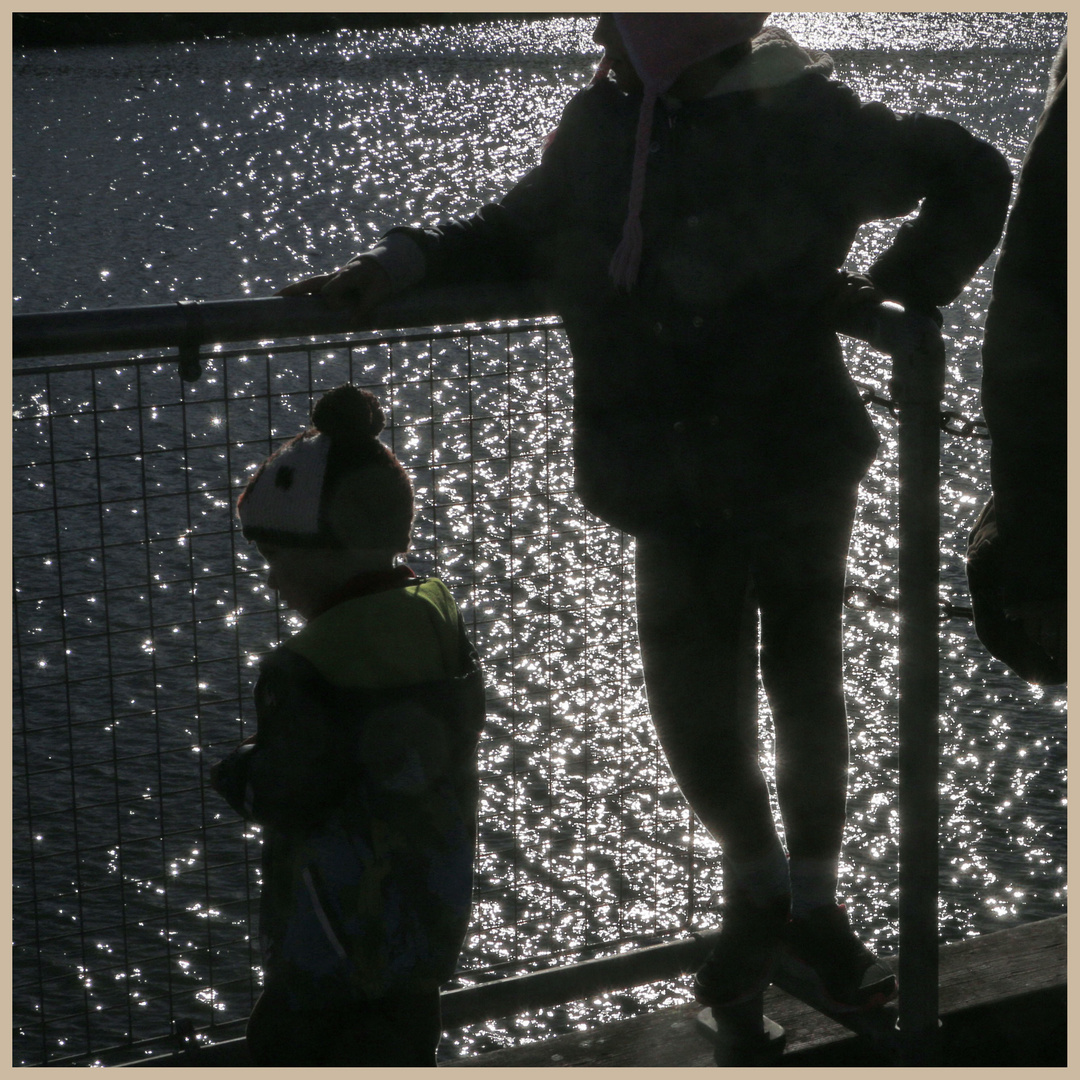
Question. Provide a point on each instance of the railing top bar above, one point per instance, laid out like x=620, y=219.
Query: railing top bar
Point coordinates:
x=186, y=325
x=211, y=322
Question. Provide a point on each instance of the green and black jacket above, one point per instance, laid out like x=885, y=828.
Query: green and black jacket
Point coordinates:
x=363, y=776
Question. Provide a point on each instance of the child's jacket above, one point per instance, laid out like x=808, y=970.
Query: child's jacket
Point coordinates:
x=363, y=775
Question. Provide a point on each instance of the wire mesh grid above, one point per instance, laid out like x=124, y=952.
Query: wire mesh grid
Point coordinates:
x=139, y=618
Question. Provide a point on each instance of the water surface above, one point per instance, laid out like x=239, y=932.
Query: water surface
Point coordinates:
x=225, y=169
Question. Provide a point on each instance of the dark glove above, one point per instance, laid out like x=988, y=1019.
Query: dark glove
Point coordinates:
x=229, y=778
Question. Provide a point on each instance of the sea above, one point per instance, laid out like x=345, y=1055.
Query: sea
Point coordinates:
x=220, y=169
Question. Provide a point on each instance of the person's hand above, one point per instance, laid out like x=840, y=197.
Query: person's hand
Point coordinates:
x=362, y=284
x=855, y=290
x=1045, y=622
x=215, y=776
x=216, y=769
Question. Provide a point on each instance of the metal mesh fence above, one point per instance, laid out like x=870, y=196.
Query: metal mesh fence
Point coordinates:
x=140, y=615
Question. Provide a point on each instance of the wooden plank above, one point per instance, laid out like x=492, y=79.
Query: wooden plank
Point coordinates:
x=993, y=967
x=978, y=974
x=666, y=1038
x=1002, y=1000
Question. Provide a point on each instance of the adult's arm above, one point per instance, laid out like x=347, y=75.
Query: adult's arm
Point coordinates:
x=960, y=185
x=502, y=241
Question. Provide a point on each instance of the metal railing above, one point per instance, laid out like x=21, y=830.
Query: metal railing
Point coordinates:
x=138, y=618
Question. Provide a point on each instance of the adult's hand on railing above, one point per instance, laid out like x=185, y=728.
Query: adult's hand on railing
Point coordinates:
x=361, y=284
x=911, y=338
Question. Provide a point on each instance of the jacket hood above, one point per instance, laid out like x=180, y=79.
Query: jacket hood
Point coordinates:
x=397, y=637
x=775, y=58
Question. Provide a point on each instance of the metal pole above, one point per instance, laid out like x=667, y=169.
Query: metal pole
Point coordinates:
x=918, y=382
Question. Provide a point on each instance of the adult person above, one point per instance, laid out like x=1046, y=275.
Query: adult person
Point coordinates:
x=691, y=214
x=1017, y=555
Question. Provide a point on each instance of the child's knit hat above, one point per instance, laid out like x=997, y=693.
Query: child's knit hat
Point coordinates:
x=334, y=485
x=661, y=47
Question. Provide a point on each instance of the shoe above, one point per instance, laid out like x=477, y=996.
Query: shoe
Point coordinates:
x=741, y=962
x=851, y=977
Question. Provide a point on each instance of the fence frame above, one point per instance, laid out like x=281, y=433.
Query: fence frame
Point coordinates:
x=188, y=326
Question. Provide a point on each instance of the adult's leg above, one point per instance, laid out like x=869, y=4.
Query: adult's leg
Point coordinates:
x=698, y=634
x=698, y=629
x=278, y=1035
x=799, y=581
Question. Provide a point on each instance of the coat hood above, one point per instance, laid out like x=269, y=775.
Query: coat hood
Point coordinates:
x=775, y=58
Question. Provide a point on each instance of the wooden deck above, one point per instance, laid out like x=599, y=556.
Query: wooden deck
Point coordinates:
x=1002, y=1003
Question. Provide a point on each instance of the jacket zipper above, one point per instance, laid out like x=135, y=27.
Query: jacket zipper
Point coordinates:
x=321, y=915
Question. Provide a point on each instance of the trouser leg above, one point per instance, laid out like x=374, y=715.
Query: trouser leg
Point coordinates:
x=397, y=1030
x=400, y=1030
x=698, y=642
x=698, y=635
x=799, y=582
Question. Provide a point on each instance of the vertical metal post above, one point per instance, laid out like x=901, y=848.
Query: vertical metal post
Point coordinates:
x=918, y=384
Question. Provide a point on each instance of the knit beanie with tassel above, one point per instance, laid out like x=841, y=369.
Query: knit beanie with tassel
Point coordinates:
x=661, y=47
x=335, y=485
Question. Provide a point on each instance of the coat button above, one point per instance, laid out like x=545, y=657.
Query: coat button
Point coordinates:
x=653, y=147
x=658, y=328
x=697, y=322
x=693, y=221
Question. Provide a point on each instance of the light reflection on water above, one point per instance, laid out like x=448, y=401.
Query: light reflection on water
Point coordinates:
x=146, y=175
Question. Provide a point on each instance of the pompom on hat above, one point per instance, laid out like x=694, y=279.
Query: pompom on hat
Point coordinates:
x=335, y=485
x=661, y=47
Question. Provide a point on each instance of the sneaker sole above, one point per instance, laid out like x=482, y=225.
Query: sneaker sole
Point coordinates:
x=806, y=983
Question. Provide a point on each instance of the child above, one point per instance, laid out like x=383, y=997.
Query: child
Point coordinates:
x=363, y=769
x=691, y=216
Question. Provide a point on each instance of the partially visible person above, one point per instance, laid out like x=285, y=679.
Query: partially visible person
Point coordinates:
x=362, y=771
x=1018, y=549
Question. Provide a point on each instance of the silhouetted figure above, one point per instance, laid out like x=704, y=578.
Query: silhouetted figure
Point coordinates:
x=691, y=214
x=1017, y=556
x=362, y=772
